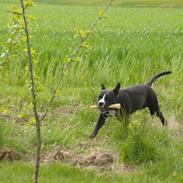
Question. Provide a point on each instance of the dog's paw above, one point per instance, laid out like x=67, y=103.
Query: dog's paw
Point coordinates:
x=166, y=123
x=92, y=136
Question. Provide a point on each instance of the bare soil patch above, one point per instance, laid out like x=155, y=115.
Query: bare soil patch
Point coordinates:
x=66, y=109
x=10, y=155
x=175, y=127
x=99, y=159
x=172, y=123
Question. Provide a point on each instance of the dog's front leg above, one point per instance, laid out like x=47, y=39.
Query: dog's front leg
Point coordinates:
x=100, y=123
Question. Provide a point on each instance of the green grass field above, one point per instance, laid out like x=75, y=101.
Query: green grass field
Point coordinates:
x=136, y=41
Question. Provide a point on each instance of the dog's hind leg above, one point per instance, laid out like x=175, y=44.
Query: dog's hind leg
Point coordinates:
x=158, y=114
x=154, y=108
x=151, y=110
x=100, y=123
x=161, y=117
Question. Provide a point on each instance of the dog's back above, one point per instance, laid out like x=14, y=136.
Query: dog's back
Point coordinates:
x=135, y=97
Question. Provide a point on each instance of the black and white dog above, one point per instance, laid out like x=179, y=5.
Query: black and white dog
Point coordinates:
x=131, y=99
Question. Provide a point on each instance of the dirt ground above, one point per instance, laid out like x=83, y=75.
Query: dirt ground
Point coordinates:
x=98, y=159
x=88, y=153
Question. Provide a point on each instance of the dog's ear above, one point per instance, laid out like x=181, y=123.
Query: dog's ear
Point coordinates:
x=116, y=90
x=103, y=87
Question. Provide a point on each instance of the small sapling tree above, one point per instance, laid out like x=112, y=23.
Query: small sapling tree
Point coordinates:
x=19, y=34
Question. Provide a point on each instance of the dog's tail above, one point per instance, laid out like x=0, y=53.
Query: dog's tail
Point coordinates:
x=150, y=82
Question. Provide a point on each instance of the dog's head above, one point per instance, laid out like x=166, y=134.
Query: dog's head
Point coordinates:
x=107, y=98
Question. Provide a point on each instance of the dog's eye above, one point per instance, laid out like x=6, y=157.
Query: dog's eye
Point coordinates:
x=100, y=96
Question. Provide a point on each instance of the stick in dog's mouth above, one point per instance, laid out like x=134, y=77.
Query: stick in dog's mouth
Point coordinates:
x=113, y=106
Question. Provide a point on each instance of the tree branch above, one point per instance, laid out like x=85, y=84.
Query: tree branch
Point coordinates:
x=73, y=56
x=33, y=92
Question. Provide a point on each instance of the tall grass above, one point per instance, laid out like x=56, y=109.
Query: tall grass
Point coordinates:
x=130, y=50
x=122, y=3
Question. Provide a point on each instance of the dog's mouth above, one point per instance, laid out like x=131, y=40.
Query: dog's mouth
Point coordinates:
x=107, y=111
x=103, y=109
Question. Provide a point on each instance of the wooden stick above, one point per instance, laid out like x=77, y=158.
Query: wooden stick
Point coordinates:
x=93, y=107
x=113, y=106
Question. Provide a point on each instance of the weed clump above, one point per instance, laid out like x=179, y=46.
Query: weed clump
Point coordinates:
x=143, y=144
x=10, y=155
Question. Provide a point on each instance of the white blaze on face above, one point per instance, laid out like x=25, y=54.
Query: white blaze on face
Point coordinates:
x=102, y=100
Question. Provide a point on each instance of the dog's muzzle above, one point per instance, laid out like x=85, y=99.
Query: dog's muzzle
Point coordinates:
x=106, y=112
x=102, y=109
